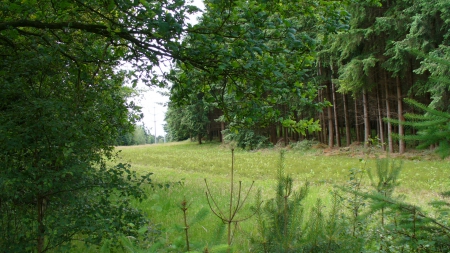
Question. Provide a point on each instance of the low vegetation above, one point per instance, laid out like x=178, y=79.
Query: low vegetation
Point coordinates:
x=323, y=203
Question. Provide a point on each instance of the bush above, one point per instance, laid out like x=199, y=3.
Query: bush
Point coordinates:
x=246, y=139
x=303, y=145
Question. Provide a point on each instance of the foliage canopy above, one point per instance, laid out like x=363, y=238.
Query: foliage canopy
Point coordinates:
x=63, y=104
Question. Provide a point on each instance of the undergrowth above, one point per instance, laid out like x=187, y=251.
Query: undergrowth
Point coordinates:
x=366, y=212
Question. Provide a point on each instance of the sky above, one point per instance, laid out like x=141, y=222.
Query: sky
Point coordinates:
x=154, y=105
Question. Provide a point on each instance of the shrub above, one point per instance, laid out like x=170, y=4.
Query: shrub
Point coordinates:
x=246, y=139
x=303, y=145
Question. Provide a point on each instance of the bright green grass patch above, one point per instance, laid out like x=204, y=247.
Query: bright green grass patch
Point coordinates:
x=180, y=169
x=186, y=160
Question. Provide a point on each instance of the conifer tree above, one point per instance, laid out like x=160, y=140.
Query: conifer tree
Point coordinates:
x=433, y=128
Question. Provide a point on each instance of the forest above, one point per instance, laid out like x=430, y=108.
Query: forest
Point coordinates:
x=256, y=72
x=337, y=72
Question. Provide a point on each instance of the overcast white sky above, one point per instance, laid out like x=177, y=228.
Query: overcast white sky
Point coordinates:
x=153, y=103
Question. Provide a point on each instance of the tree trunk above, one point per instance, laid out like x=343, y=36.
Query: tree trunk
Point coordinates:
x=388, y=115
x=366, y=119
x=199, y=136
x=285, y=133
x=41, y=228
x=323, y=132
x=380, y=120
x=272, y=134
x=347, y=120
x=358, y=137
x=335, y=114
x=209, y=132
x=401, y=129
x=222, y=127
x=330, y=121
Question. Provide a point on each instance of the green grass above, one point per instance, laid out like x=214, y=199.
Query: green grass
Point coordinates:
x=180, y=169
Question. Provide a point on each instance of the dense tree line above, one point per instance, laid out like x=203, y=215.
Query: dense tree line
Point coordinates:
x=383, y=58
x=140, y=135
x=258, y=64
x=344, y=67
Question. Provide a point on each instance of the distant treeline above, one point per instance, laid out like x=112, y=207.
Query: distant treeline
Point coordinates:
x=140, y=136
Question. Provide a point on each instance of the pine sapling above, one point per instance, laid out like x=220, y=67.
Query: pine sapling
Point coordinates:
x=280, y=221
x=184, y=208
x=356, y=201
x=187, y=223
x=387, y=173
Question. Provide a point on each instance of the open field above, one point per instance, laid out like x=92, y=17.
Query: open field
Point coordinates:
x=180, y=169
x=421, y=176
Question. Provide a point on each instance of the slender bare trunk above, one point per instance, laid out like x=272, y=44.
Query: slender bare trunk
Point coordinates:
x=323, y=133
x=330, y=128
x=222, y=127
x=335, y=114
x=380, y=120
x=41, y=228
x=388, y=115
x=286, y=137
x=401, y=129
x=347, y=120
x=274, y=135
x=358, y=138
x=330, y=121
x=366, y=119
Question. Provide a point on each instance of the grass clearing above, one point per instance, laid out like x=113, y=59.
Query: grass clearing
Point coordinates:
x=180, y=169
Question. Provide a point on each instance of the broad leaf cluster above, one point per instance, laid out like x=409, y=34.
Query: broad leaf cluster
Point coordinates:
x=257, y=59
x=63, y=104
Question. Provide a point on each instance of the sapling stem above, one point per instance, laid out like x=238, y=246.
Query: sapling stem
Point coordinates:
x=184, y=208
x=234, y=208
x=231, y=197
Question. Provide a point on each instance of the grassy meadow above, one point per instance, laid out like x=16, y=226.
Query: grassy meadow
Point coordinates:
x=180, y=170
